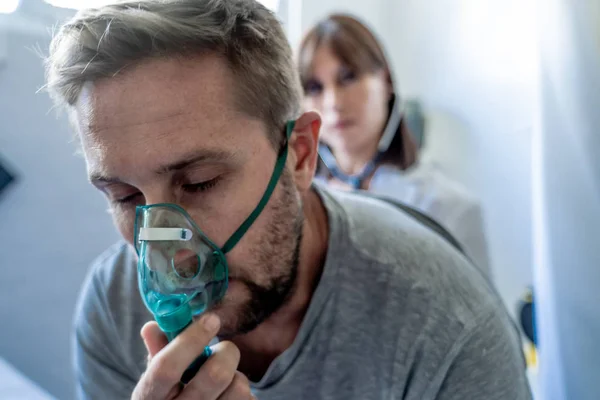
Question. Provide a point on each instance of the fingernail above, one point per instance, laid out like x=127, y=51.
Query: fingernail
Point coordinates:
x=211, y=322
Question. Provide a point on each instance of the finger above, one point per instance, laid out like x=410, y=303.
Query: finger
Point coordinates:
x=239, y=389
x=154, y=339
x=216, y=375
x=147, y=390
x=168, y=365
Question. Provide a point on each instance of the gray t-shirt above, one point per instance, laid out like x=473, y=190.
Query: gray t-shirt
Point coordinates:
x=398, y=314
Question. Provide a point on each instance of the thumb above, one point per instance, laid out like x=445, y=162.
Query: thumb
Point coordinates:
x=154, y=338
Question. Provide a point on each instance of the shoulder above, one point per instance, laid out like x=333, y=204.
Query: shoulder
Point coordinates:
x=382, y=231
x=112, y=268
x=112, y=280
x=402, y=262
x=110, y=312
x=428, y=189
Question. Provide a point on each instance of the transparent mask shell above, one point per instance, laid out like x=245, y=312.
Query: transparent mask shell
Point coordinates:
x=180, y=270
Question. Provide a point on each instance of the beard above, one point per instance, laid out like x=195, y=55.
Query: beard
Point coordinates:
x=265, y=300
x=275, y=265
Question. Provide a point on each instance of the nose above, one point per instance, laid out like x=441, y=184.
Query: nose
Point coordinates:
x=157, y=194
x=332, y=99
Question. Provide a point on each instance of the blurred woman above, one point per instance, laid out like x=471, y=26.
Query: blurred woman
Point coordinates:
x=365, y=143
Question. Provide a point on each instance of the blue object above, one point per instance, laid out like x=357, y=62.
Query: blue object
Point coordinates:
x=526, y=313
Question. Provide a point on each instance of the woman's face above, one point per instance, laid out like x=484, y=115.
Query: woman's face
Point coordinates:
x=354, y=108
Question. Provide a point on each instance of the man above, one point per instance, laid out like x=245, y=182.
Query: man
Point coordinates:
x=332, y=296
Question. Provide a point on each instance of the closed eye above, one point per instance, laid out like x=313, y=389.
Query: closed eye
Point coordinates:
x=128, y=199
x=201, y=186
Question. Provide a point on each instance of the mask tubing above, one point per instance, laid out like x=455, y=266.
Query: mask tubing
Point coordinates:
x=279, y=166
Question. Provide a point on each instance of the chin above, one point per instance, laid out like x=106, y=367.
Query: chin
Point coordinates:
x=342, y=135
x=231, y=307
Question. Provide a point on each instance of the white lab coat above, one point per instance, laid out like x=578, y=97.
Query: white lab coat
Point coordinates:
x=425, y=188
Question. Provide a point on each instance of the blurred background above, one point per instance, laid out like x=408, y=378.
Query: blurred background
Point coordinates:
x=510, y=92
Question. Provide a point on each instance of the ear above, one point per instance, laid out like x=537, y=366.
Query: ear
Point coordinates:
x=303, y=146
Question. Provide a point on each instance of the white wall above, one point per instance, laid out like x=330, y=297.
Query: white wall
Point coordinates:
x=567, y=200
x=52, y=223
x=469, y=68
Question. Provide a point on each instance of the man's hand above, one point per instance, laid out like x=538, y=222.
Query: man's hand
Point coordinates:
x=218, y=378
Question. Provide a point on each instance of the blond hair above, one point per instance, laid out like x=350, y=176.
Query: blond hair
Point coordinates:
x=99, y=43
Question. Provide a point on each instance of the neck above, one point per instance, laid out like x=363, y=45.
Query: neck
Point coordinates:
x=353, y=159
x=276, y=334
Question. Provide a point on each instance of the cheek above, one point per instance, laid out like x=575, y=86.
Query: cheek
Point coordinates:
x=217, y=225
x=221, y=213
x=374, y=109
x=310, y=104
x=124, y=220
x=356, y=100
x=269, y=241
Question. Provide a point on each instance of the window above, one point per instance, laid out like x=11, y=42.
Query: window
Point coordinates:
x=8, y=6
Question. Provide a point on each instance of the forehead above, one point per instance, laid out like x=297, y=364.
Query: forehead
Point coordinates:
x=159, y=104
x=157, y=90
x=324, y=61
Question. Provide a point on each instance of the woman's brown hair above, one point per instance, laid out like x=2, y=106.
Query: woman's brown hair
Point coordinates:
x=357, y=47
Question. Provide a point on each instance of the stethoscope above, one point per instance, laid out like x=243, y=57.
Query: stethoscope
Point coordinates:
x=356, y=180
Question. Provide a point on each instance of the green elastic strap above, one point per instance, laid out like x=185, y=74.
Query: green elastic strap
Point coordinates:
x=279, y=166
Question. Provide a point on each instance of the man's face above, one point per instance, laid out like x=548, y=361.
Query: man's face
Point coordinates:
x=168, y=131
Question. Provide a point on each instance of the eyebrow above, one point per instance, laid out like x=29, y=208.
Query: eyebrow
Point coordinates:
x=194, y=158
x=191, y=159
